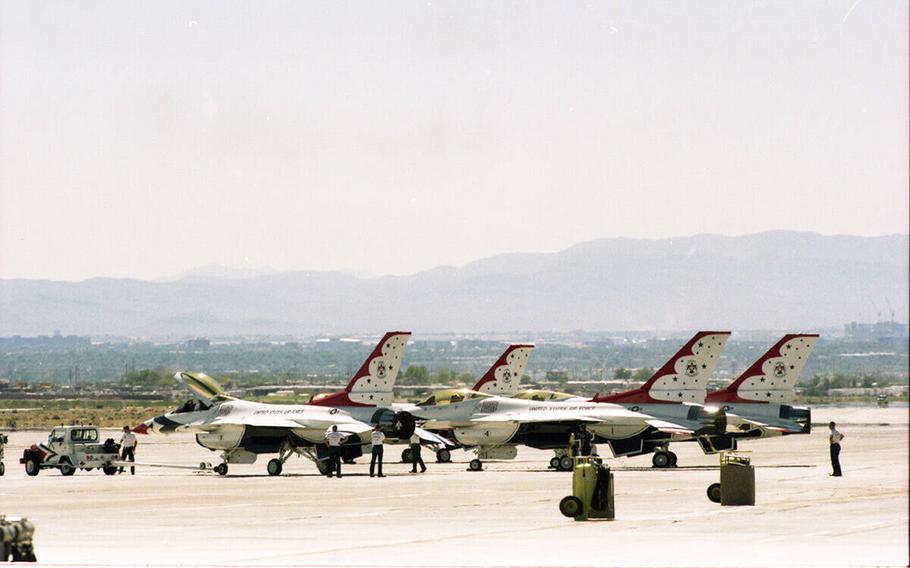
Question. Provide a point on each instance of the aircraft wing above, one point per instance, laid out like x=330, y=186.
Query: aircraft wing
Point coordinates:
x=670, y=427
x=347, y=426
x=536, y=416
x=428, y=436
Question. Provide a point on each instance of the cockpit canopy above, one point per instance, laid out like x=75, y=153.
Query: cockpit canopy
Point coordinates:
x=192, y=405
x=450, y=396
x=541, y=395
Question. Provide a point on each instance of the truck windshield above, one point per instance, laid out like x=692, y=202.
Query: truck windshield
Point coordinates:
x=84, y=435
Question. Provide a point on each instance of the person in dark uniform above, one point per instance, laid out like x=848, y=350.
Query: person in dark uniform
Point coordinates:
x=834, y=439
x=377, y=438
x=415, y=454
x=584, y=441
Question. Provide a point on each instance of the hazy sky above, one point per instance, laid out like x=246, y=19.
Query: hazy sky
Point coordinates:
x=146, y=138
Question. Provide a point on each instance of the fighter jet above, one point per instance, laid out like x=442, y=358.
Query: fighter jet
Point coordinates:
x=763, y=394
x=241, y=430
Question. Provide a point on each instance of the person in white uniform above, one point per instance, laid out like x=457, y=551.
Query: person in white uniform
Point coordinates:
x=128, y=443
x=834, y=439
x=377, y=438
x=334, y=439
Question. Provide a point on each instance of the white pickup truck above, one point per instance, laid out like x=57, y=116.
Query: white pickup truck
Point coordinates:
x=69, y=448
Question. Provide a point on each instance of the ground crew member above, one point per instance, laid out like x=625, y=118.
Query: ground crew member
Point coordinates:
x=834, y=439
x=415, y=454
x=584, y=441
x=334, y=439
x=128, y=443
x=377, y=438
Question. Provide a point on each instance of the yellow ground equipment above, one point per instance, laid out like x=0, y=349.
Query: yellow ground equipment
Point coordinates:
x=737, y=480
x=592, y=491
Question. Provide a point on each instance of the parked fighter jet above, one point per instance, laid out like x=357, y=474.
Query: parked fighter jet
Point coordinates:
x=242, y=429
x=763, y=393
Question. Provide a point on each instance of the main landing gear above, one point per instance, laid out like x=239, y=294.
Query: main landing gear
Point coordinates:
x=663, y=459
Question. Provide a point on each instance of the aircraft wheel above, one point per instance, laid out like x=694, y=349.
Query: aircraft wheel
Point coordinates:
x=714, y=492
x=406, y=455
x=322, y=466
x=571, y=506
x=566, y=463
x=672, y=457
x=274, y=467
x=2, y=468
x=554, y=463
x=221, y=469
x=443, y=455
x=660, y=459
x=109, y=470
x=66, y=467
x=476, y=465
x=31, y=467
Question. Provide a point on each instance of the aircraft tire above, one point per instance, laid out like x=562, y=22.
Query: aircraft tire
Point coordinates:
x=660, y=459
x=672, y=457
x=554, y=462
x=406, y=455
x=571, y=506
x=566, y=463
x=274, y=467
x=221, y=469
x=2, y=468
x=475, y=465
x=443, y=455
x=714, y=492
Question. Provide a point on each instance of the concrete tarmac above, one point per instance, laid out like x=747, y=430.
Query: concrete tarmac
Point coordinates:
x=504, y=516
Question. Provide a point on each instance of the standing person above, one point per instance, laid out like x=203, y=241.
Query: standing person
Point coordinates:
x=377, y=438
x=128, y=443
x=584, y=441
x=415, y=454
x=834, y=439
x=334, y=439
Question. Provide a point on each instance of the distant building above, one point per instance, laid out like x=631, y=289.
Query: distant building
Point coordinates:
x=198, y=343
x=879, y=330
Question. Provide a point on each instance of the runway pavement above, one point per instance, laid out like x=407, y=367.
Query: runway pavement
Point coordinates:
x=504, y=516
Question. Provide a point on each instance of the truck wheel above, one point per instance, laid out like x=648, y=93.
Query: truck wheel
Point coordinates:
x=274, y=467
x=554, y=462
x=443, y=455
x=672, y=457
x=66, y=467
x=566, y=463
x=571, y=506
x=660, y=459
x=714, y=492
x=109, y=470
x=31, y=467
x=476, y=465
x=221, y=469
x=406, y=455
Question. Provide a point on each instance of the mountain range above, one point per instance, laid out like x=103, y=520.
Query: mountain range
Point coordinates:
x=772, y=280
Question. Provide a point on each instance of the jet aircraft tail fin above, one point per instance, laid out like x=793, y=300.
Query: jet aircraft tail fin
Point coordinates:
x=683, y=378
x=773, y=377
x=504, y=377
x=372, y=385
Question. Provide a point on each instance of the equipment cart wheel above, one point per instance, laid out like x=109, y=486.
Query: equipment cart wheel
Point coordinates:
x=274, y=467
x=554, y=462
x=406, y=455
x=221, y=469
x=109, y=470
x=31, y=467
x=475, y=465
x=672, y=457
x=66, y=467
x=443, y=455
x=660, y=459
x=714, y=492
x=566, y=463
x=571, y=506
